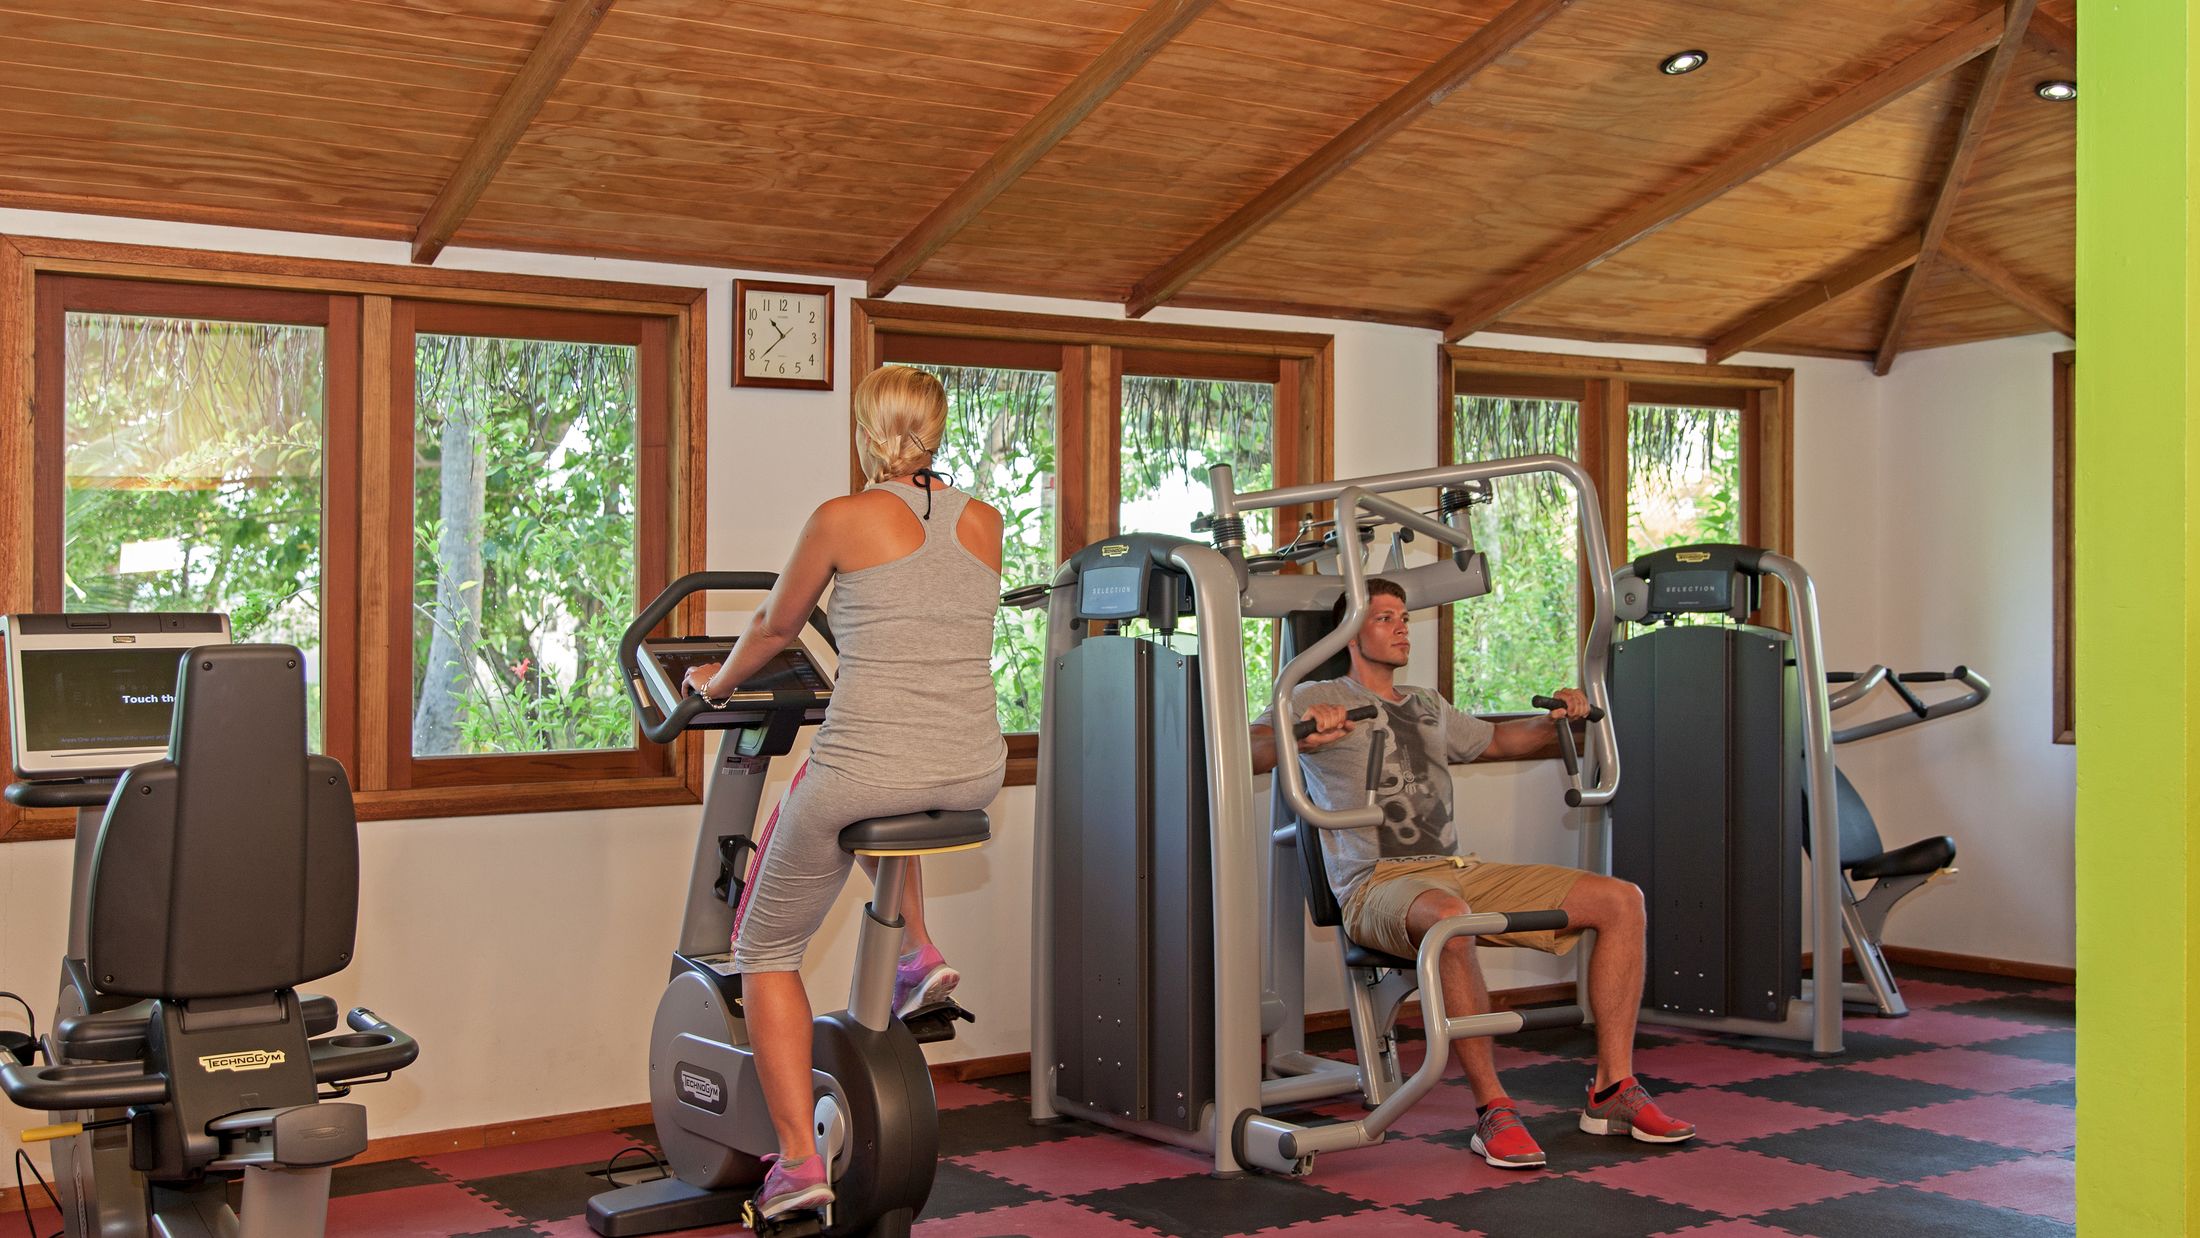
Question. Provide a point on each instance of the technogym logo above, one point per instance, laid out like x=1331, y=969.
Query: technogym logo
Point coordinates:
x=250, y=1059
x=700, y=1086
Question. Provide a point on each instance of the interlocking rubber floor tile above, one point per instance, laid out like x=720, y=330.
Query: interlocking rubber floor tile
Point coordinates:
x=1561, y=1205
x=1729, y=1181
x=1886, y=1151
x=2006, y=1120
x=2044, y=1186
x=1902, y=1210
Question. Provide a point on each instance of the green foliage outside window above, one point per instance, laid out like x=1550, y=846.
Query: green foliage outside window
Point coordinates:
x=1518, y=640
x=1684, y=476
x=192, y=462
x=524, y=544
x=1684, y=485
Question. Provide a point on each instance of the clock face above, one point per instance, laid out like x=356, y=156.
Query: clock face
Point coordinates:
x=786, y=336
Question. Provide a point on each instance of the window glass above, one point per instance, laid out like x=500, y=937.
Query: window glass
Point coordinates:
x=1174, y=430
x=1521, y=638
x=1684, y=476
x=1000, y=447
x=524, y=544
x=192, y=466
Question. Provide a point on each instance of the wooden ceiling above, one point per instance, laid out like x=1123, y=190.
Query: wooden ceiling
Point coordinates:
x=1463, y=164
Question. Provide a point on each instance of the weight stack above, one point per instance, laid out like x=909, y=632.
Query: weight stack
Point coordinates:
x=1709, y=816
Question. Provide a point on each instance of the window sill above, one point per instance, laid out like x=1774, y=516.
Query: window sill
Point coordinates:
x=43, y=824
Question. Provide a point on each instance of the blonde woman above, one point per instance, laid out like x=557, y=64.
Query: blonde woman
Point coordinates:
x=912, y=726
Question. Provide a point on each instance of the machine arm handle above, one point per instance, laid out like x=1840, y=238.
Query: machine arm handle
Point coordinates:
x=1306, y=725
x=1976, y=690
x=1566, y=750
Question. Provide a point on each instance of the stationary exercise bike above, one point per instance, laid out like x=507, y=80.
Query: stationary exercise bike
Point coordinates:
x=877, y=1123
x=213, y=875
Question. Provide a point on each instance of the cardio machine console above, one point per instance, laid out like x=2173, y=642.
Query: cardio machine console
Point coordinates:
x=793, y=679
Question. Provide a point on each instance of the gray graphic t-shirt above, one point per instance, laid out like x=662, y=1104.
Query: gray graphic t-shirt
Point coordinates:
x=1420, y=737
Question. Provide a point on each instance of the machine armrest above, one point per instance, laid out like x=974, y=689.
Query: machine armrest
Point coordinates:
x=112, y=1035
x=96, y=1085
x=371, y=1047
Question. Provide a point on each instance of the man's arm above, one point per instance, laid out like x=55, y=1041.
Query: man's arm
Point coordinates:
x=1519, y=738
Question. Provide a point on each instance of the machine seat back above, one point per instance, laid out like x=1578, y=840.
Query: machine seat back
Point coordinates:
x=232, y=867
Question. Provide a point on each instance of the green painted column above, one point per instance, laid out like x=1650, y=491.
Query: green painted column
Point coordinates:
x=2138, y=641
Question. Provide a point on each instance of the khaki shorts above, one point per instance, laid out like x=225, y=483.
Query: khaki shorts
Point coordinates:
x=1375, y=913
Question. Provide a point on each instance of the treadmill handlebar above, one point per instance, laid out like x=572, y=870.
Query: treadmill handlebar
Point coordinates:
x=662, y=727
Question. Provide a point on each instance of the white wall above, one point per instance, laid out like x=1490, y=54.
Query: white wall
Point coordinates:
x=527, y=951
x=1964, y=574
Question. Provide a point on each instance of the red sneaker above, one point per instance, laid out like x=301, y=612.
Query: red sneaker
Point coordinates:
x=1630, y=1111
x=1503, y=1141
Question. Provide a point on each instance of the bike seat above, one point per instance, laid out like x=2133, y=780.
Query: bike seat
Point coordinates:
x=915, y=833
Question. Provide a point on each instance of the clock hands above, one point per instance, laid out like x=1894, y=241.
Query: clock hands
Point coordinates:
x=775, y=343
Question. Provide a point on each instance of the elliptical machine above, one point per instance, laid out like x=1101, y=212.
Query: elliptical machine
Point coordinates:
x=207, y=886
x=877, y=1122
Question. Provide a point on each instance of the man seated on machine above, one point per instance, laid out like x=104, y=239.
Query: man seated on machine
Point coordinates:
x=1397, y=880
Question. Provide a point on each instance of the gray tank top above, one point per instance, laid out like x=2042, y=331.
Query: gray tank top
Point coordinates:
x=914, y=704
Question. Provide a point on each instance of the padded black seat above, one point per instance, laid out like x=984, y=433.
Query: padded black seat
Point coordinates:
x=1926, y=855
x=916, y=832
x=1357, y=955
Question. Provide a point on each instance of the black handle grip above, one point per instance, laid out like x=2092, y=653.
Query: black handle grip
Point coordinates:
x=1306, y=725
x=1566, y=750
x=1027, y=596
x=1536, y=922
x=1537, y=1018
x=1596, y=714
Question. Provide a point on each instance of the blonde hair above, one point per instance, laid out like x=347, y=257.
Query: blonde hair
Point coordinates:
x=901, y=415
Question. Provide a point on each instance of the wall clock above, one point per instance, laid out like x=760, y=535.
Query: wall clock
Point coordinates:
x=783, y=335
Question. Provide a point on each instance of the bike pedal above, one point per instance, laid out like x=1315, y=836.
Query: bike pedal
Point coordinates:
x=936, y=1022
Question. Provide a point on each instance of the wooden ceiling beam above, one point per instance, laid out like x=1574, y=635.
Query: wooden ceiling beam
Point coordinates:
x=1955, y=48
x=562, y=40
x=1976, y=118
x=2055, y=37
x=1408, y=104
x=1857, y=275
x=1161, y=22
x=2013, y=288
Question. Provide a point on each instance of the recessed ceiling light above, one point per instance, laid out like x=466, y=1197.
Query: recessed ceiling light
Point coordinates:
x=1683, y=62
x=2057, y=90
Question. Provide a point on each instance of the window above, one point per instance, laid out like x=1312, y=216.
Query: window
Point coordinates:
x=1079, y=428
x=2066, y=403
x=1700, y=454
x=448, y=490
x=190, y=464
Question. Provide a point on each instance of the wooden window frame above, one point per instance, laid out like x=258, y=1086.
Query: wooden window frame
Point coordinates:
x=1090, y=357
x=365, y=553
x=2065, y=715
x=1605, y=388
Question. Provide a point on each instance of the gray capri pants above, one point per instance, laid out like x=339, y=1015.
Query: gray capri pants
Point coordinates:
x=800, y=866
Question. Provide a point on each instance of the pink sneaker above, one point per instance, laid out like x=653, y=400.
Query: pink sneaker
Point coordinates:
x=795, y=1186
x=923, y=979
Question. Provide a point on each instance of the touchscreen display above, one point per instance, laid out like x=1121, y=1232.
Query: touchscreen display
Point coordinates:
x=81, y=699
x=789, y=669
